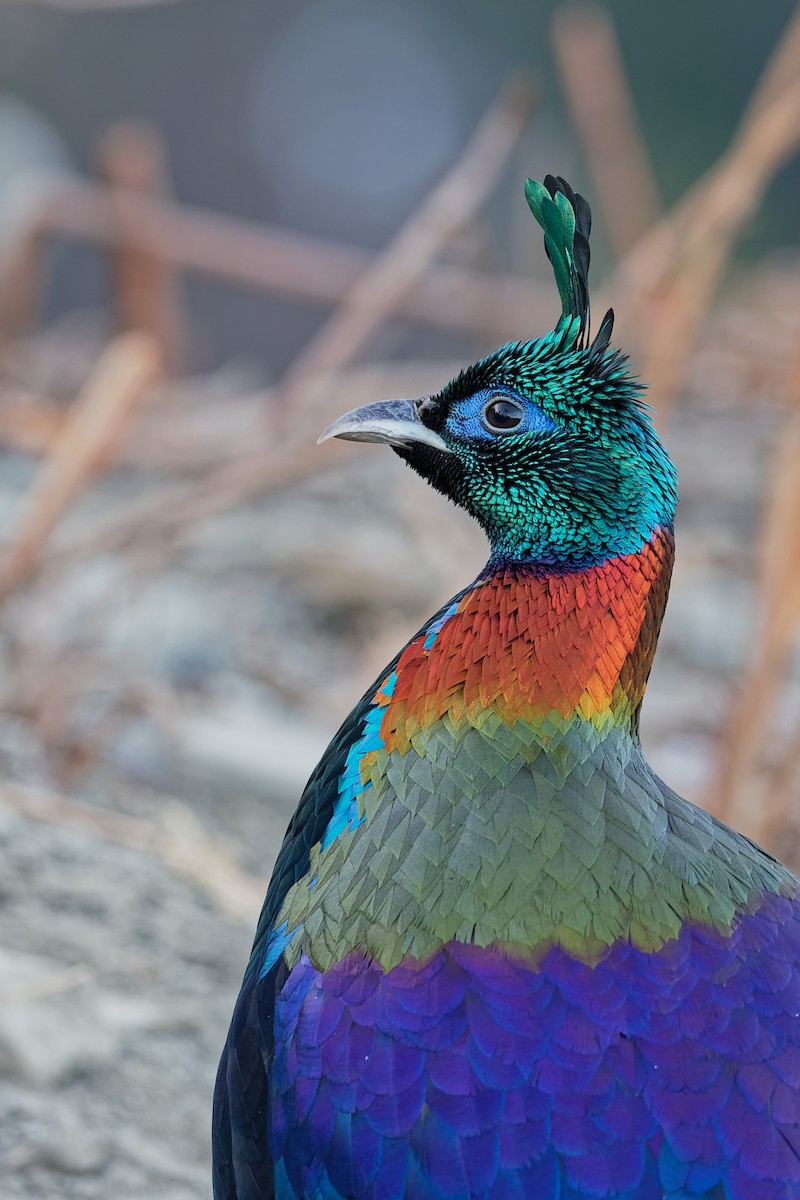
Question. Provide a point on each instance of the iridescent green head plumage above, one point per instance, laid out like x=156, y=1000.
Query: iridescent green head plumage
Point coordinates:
x=546, y=442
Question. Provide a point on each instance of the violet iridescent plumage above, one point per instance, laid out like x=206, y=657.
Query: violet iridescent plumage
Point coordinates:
x=499, y=959
x=556, y=1080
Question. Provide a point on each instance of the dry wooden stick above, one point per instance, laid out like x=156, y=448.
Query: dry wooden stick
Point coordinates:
x=97, y=421
x=774, y=634
x=29, y=423
x=781, y=791
x=652, y=261
x=782, y=66
x=667, y=282
x=251, y=255
x=132, y=159
x=596, y=87
x=176, y=838
x=53, y=984
x=22, y=260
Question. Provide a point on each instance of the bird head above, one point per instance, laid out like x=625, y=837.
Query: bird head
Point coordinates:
x=546, y=443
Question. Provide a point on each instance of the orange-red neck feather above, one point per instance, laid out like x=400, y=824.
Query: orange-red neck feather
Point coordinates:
x=545, y=649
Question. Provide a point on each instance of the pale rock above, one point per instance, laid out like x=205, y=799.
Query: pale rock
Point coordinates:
x=50, y=1030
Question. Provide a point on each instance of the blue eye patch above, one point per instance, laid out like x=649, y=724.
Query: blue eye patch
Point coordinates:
x=496, y=412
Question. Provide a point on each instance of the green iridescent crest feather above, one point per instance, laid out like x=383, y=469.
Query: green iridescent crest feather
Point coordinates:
x=566, y=220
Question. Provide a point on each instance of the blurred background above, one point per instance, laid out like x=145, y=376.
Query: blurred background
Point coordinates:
x=221, y=225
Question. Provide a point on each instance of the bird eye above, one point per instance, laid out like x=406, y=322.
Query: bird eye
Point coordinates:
x=502, y=415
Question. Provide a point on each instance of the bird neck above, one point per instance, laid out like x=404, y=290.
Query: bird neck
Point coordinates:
x=530, y=644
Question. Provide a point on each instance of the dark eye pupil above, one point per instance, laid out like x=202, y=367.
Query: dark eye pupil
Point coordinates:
x=502, y=414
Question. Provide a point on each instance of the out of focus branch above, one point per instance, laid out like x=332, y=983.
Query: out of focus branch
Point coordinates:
x=781, y=69
x=29, y=423
x=652, y=262
x=602, y=107
x=132, y=159
x=664, y=286
x=89, y=436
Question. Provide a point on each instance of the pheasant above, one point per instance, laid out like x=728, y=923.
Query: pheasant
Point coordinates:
x=499, y=959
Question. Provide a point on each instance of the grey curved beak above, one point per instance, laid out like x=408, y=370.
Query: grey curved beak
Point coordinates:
x=392, y=421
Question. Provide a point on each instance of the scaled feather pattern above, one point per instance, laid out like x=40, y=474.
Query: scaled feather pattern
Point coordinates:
x=499, y=959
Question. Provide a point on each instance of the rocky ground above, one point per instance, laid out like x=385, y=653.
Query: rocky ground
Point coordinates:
x=158, y=720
